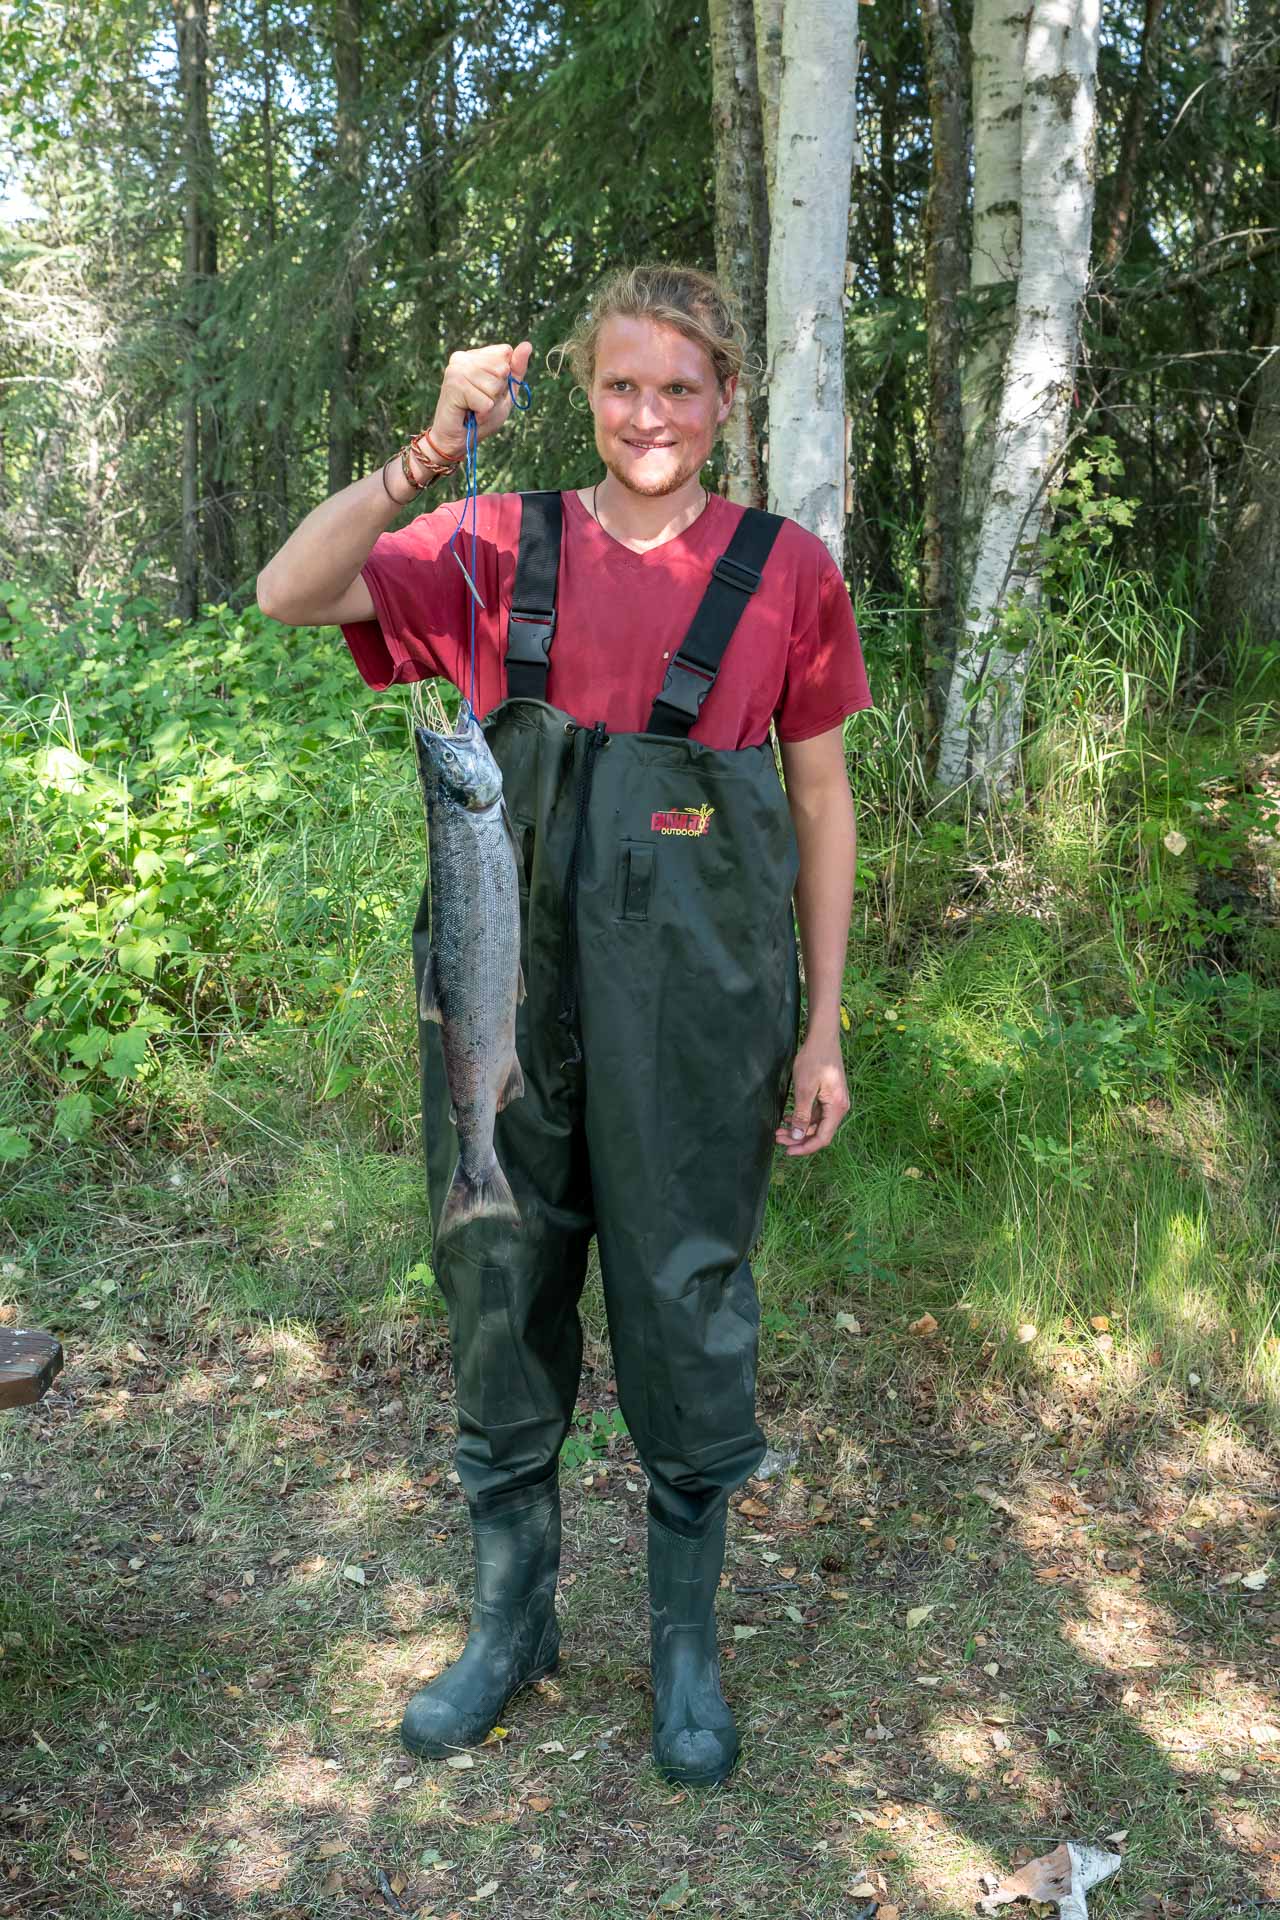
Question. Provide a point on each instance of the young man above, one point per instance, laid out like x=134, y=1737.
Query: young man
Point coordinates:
x=638, y=639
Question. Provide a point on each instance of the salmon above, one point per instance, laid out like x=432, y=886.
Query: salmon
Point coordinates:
x=472, y=983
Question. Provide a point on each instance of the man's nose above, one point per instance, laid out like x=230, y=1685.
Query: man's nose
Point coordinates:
x=648, y=412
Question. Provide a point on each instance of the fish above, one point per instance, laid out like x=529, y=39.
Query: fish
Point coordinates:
x=472, y=981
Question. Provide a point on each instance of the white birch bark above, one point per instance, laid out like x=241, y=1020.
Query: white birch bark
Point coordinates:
x=999, y=45
x=983, y=721
x=806, y=266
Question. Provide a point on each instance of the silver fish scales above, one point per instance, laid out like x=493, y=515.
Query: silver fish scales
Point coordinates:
x=472, y=983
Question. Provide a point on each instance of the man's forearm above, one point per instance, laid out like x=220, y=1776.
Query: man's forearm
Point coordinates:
x=322, y=556
x=826, y=836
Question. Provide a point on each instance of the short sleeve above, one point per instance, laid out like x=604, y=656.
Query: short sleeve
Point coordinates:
x=826, y=677
x=422, y=599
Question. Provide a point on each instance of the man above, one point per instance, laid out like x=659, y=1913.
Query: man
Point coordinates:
x=634, y=642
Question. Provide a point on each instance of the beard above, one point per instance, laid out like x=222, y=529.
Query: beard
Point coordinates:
x=688, y=469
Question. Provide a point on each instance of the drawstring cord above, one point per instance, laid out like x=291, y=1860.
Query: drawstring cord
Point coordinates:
x=568, y=1015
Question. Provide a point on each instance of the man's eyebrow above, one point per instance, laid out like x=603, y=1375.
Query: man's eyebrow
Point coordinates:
x=677, y=379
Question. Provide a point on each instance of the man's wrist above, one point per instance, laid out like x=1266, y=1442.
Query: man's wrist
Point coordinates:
x=822, y=1022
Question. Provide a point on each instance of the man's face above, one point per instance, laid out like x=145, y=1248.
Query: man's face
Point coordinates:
x=657, y=404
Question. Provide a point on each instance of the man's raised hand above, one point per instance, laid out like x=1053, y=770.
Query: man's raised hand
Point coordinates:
x=475, y=381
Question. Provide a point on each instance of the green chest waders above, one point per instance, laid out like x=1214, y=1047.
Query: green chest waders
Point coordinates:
x=656, y=1040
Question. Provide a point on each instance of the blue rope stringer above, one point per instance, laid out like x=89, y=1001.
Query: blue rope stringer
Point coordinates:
x=471, y=473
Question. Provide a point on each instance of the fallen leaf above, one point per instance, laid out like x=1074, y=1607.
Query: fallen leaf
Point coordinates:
x=328, y=1849
x=863, y=1891
x=355, y=1575
x=675, y=1896
x=494, y=1735
x=924, y=1326
x=461, y=1760
x=1256, y=1580
x=483, y=1893
x=1026, y=1333
x=538, y=1802
x=1263, y=1735
x=745, y=1633
x=404, y=1780
x=1175, y=842
x=846, y=1323
x=1100, y=1323
x=754, y=1510
x=916, y=1616
x=331, y=1884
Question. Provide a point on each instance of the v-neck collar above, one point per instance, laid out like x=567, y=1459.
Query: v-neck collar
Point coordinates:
x=689, y=544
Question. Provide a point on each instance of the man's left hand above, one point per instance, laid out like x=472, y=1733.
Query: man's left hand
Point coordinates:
x=820, y=1099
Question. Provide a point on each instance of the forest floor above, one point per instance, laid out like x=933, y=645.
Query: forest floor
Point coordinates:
x=959, y=1622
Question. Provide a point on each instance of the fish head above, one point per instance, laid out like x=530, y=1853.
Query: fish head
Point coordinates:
x=460, y=763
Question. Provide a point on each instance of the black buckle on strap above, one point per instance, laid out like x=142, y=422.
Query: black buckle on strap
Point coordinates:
x=684, y=689
x=529, y=637
x=732, y=573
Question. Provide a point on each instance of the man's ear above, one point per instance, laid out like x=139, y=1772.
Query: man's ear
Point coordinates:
x=727, y=392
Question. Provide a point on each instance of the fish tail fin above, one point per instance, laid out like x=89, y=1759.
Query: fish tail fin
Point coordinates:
x=488, y=1199
x=514, y=1086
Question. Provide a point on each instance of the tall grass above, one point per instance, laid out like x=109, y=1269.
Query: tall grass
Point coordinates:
x=1062, y=1017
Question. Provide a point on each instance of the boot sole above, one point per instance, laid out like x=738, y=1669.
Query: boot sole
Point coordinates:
x=440, y=1750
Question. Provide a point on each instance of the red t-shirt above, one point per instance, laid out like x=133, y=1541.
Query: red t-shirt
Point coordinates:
x=794, y=658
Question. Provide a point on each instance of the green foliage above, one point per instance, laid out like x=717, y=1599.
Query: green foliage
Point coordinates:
x=163, y=780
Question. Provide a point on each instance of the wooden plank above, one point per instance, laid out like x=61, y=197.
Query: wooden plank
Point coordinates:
x=28, y=1362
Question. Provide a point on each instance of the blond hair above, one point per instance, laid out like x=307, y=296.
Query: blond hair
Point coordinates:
x=692, y=302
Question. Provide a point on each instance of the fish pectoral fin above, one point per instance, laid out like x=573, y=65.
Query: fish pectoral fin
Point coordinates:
x=514, y=1087
x=429, y=992
x=520, y=993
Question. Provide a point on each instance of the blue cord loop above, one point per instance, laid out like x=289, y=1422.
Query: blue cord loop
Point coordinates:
x=470, y=471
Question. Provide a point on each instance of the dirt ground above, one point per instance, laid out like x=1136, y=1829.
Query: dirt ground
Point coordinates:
x=957, y=1627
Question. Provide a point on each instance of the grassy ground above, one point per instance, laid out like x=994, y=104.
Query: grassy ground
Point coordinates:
x=232, y=1546
x=1013, y=1574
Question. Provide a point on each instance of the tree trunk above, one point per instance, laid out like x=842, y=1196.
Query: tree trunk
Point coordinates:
x=742, y=219
x=983, y=721
x=807, y=466
x=999, y=43
x=1128, y=166
x=192, y=83
x=347, y=26
x=277, y=450
x=880, y=493
x=768, y=38
x=946, y=266
x=1249, y=571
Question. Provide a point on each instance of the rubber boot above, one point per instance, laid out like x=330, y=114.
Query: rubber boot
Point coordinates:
x=514, y=1637
x=695, y=1741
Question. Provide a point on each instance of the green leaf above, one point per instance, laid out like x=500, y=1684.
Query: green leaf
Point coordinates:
x=14, y=1145
x=73, y=1116
x=89, y=1047
x=139, y=956
x=147, y=863
x=128, y=1051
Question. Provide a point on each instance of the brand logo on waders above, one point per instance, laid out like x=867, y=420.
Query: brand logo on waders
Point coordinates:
x=687, y=821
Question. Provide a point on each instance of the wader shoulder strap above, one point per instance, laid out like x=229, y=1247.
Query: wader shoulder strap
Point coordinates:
x=734, y=578
x=533, y=599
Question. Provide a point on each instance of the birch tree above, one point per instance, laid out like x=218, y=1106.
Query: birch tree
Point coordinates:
x=814, y=165
x=1053, y=188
